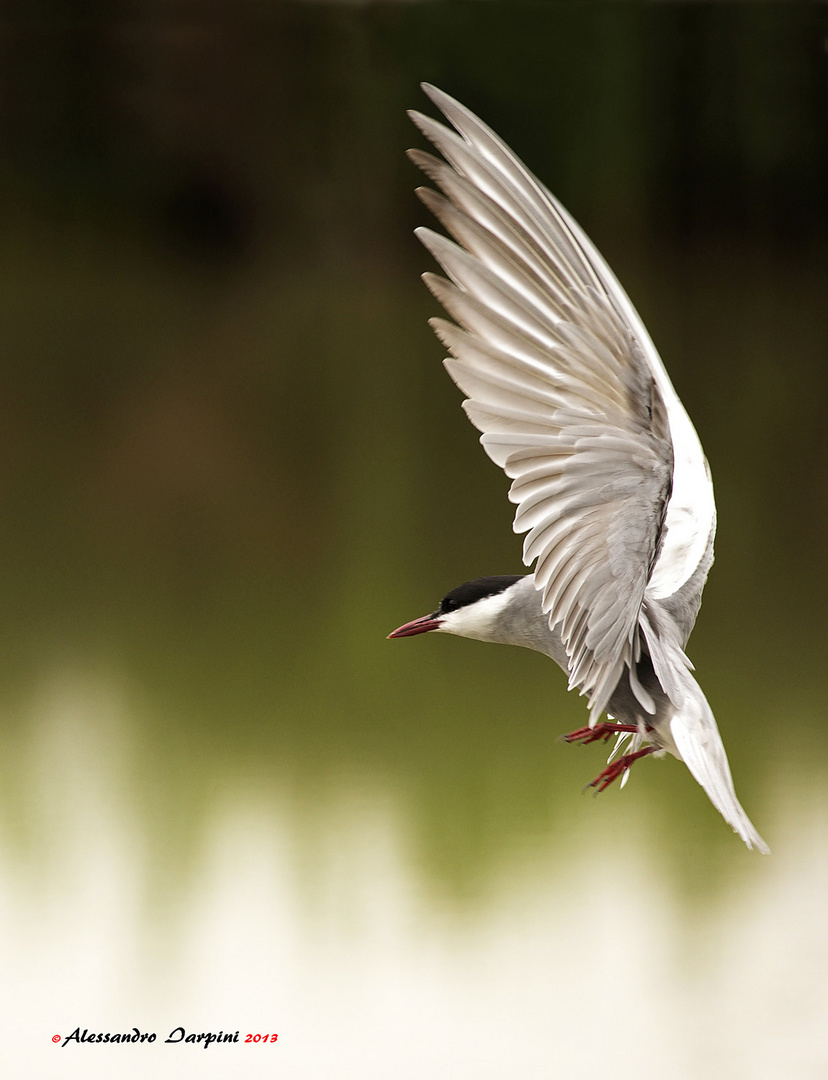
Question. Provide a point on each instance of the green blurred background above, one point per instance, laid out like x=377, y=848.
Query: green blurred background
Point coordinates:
x=231, y=463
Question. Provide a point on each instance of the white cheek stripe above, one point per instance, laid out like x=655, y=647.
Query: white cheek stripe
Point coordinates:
x=476, y=620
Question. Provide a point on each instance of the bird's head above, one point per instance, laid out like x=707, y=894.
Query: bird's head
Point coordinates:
x=471, y=610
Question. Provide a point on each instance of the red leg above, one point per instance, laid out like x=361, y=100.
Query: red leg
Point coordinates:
x=618, y=767
x=605, y=730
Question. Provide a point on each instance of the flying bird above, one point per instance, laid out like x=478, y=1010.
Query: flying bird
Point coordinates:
x=611, y=485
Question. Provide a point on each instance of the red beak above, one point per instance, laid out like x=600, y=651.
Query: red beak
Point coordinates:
x=418, y=626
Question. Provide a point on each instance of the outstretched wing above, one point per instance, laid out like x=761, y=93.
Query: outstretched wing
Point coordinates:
x=559, y=379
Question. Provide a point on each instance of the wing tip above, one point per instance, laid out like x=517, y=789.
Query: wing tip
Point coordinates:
x=435, y=94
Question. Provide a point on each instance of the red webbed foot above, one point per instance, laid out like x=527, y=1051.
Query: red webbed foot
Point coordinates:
x=604, y=730
x=618, y=768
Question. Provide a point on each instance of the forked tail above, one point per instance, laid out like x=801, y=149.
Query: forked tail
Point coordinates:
x=698, y=742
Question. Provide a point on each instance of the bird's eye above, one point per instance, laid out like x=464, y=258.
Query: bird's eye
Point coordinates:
x=448, y=604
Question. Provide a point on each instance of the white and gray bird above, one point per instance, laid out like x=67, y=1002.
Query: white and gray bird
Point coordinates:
x=610, y=481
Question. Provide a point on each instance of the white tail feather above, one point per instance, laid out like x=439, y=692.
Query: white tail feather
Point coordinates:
x=700, y=747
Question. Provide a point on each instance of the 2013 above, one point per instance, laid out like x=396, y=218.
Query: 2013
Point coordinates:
x=261, y=1038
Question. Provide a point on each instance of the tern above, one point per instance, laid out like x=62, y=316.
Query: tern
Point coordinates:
x=608, y=475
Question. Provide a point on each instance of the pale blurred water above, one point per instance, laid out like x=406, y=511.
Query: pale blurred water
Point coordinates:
x=230, y=463
x=574, y=959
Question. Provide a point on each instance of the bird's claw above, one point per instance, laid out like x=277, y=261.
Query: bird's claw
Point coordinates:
x=617, y=768
x=603, y=731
